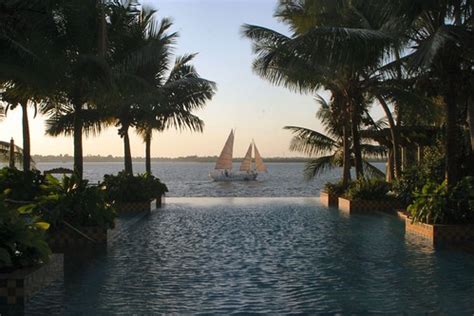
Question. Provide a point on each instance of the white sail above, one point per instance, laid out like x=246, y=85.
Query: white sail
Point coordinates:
x=259, y=165
x=247, y=162
x=225, y=158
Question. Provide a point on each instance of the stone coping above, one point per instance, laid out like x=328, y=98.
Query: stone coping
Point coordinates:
x=440, y=233
x=361, y=206
x=328, y=200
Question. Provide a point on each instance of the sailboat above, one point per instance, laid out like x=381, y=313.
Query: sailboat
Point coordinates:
x=248, y=171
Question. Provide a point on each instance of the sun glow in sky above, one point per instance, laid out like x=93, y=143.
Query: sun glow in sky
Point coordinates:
x=243, y=101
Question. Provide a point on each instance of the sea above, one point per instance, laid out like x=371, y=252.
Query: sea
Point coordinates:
x=191, y=179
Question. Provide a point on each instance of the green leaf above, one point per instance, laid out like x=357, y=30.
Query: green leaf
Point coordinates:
x=42, y=225
x=26, y=209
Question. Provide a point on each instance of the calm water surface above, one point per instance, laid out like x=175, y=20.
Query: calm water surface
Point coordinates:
x=192, y=179
x=262, y=255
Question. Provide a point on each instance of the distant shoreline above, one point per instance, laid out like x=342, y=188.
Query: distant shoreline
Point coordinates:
x=69, y=159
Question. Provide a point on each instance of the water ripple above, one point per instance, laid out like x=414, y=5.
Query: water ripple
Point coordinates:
x=267, y=256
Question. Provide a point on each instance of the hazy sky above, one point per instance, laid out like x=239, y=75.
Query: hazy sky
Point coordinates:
x=243, y=101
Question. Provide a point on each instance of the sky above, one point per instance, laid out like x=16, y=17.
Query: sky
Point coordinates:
x=244, y=101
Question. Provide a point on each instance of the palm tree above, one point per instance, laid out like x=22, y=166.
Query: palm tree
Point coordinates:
x=179, y=94
x=441, y=35
x=85, y=76
x=27, y=68
x=140, y=56
x=330, y=49
x=329, y=148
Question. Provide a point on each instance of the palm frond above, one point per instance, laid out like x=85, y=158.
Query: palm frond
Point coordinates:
x=373, y=151
x=319, y=165
x=371, y=171
x=310, y=142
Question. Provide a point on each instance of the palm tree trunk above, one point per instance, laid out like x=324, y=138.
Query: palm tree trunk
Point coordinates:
x=346, y=159
x=148, y=151
x=470, y=117
x=452, y=166
x=127, y=151
x=356, y=141
x=26, y=137
x=390, y=167
x=77, y=134
x=394, y=135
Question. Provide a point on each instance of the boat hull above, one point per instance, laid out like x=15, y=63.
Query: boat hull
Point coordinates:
x=219, y=175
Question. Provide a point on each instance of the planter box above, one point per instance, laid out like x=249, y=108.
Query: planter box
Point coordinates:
x=402, y=214
x=160, y=200
x=447, y=234
x=131, y=207
x=387, y=206
x=328, y=200
x=67, y=238
x=17, y=287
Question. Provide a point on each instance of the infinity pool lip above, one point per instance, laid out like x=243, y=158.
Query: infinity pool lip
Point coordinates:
x=212, y=201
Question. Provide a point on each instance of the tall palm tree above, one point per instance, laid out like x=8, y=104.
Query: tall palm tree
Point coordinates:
x=329, y=148
x=441, y=36
x=85, y=75
x=28, y=72
x=181, y=92
x=331, y=41
x=141, y=49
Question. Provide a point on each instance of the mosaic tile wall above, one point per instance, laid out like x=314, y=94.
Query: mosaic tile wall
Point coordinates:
x=18, y=287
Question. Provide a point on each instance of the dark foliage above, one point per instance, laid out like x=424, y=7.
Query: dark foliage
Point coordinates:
x=20, y=185
x=128, y=188
x=71, y=200
x=368, y=189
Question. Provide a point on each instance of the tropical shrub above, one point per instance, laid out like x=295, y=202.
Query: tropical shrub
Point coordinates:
x=71, y=200
x=22, y=240
x=429, y=204
x=20, y=185
x=433, y=204
x=461, y=201
x=124, y=187
x=337, y=188
x=415, y=177
x=368, y=189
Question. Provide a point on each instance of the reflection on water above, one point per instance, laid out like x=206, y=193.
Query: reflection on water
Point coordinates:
x=271, y=255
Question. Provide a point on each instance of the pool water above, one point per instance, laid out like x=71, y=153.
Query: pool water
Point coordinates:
x=262, y=255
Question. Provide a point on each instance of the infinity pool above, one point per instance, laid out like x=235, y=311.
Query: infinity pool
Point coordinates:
x=262, y=255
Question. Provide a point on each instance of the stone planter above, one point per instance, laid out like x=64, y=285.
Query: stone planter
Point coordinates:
x=402, y=214
x=17, y=287
x=70, y=238
x=362, y=206
x=160, y=200
x=328, y=199
x=440, y=234
x=132, y=207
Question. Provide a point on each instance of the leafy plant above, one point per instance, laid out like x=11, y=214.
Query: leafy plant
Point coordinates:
x=337, y=188
x=73, y=201
x=414, y=178
x=368, y=189
x=461, y=201
x=434, y=204
x=20, y=185
x=22, y=239
x=128, y=188
x=429, y=205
